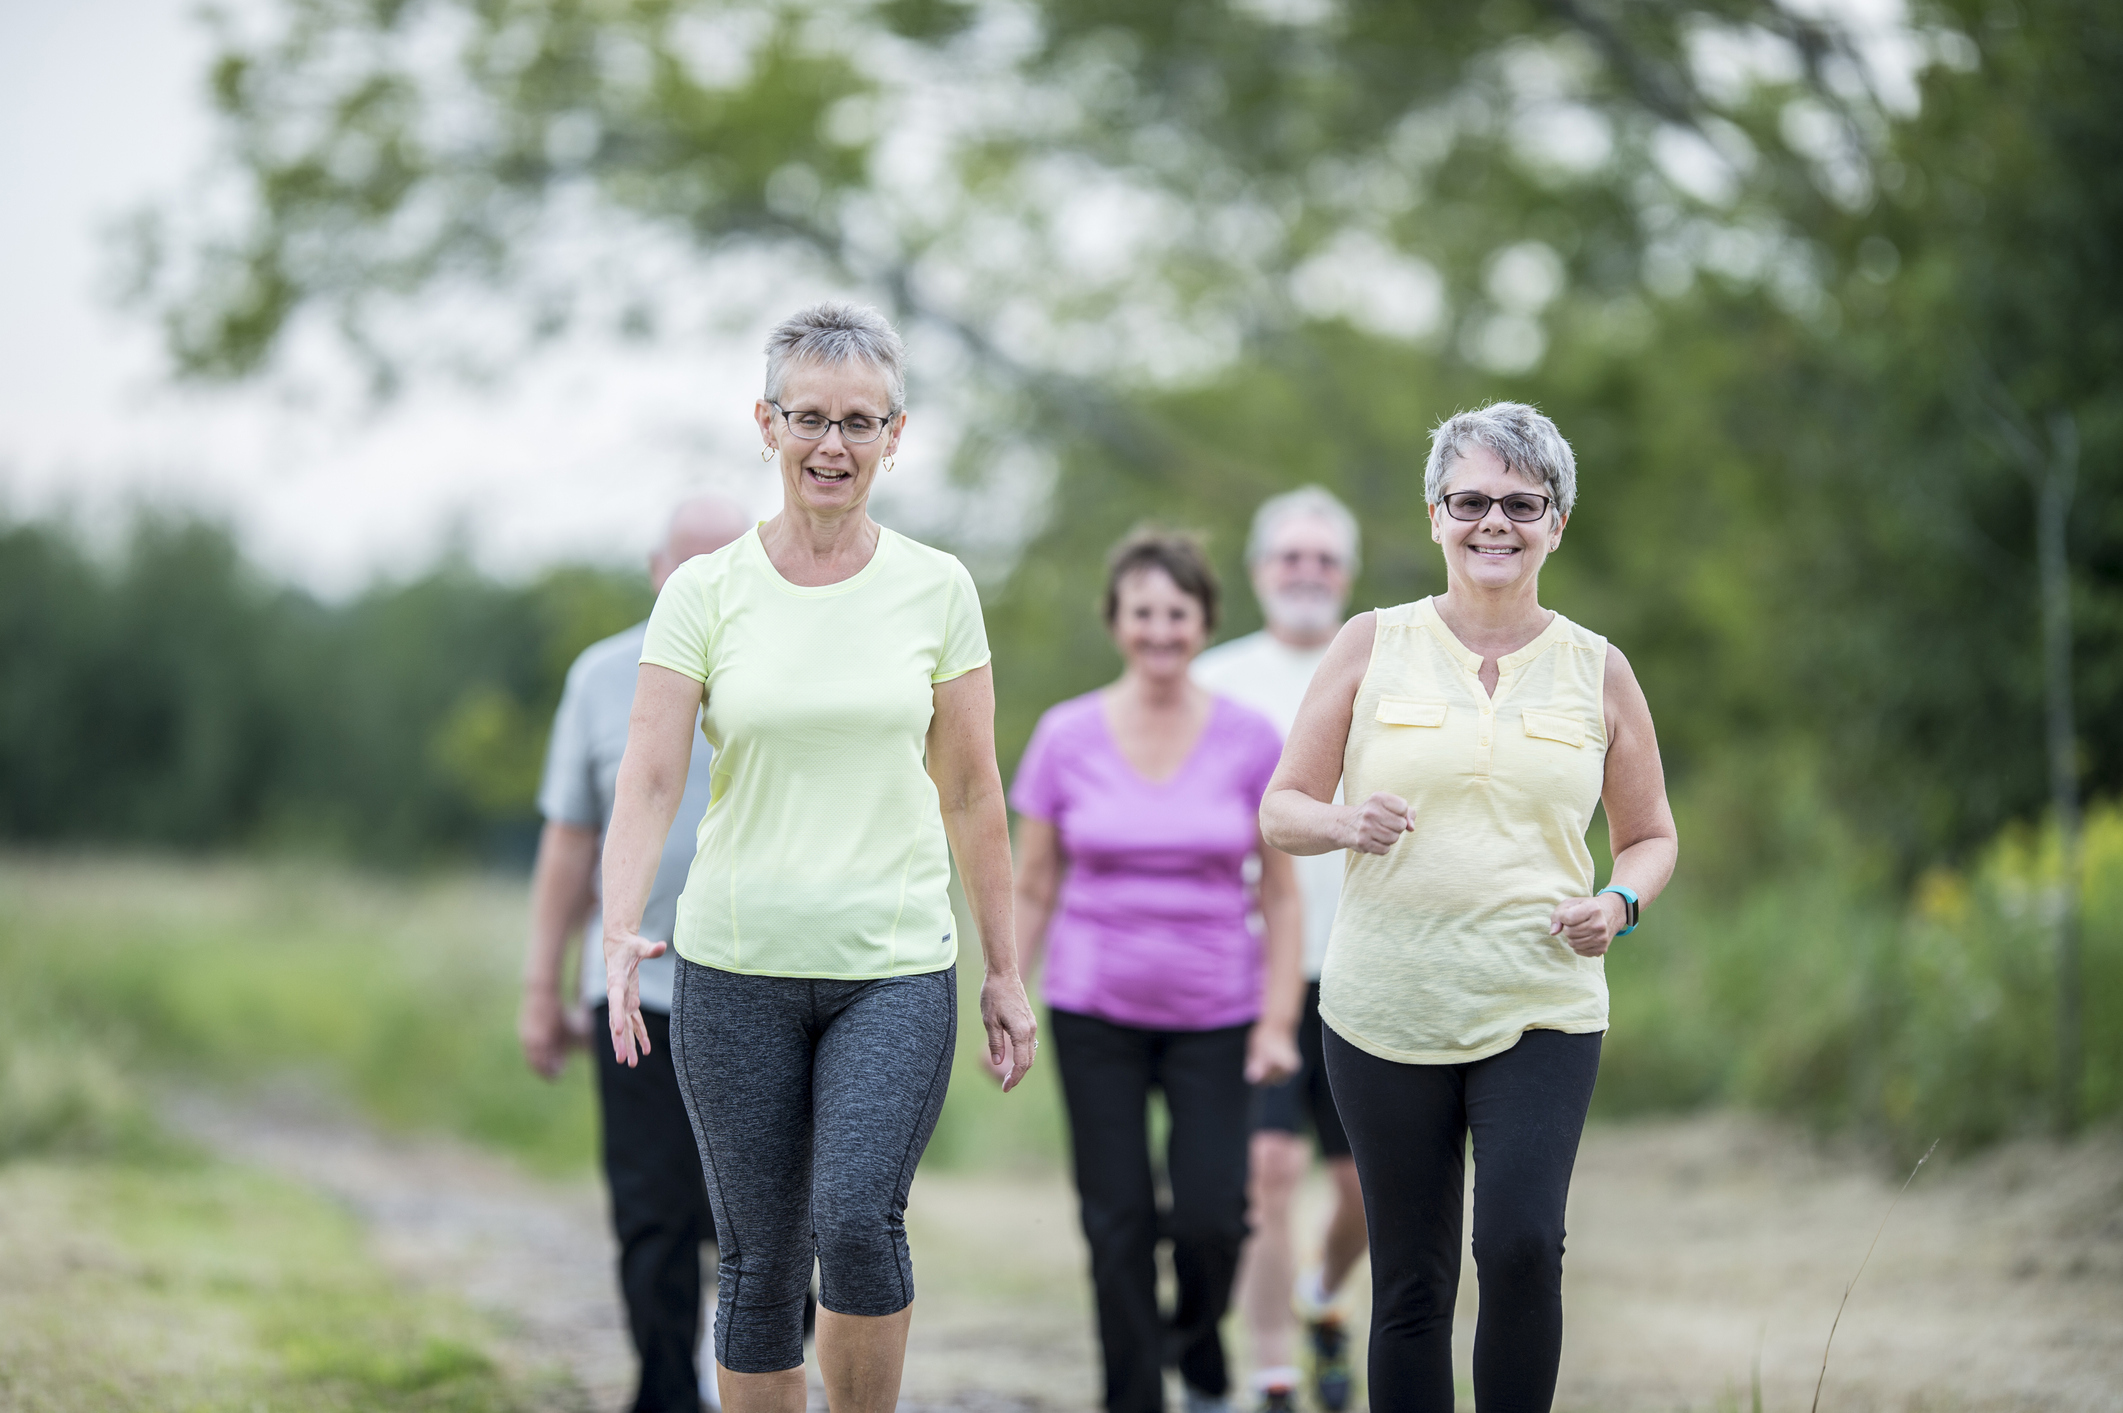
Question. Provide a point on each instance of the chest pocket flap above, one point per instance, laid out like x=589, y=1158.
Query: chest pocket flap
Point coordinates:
x=1406, y=711
x=1551, y=726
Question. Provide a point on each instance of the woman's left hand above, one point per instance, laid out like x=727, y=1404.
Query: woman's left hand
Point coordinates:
x=1271, y=1054
x=1588, y=925
x=1013, y=1034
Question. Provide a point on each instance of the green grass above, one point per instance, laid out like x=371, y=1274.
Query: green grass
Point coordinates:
x=400, y=994
x=1822, y=996
x=1814, y=993
x=193, y=1285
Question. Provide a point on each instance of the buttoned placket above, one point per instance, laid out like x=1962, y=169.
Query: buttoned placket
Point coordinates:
x=1508, y=668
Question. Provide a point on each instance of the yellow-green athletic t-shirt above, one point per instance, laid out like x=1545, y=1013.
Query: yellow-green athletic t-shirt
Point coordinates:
x=822, y=853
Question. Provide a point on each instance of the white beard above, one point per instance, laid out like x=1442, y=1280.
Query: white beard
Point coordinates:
x=1303, y=613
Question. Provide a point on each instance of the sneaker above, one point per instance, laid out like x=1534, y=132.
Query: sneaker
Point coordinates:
x=1199, y=1402
x=1332, y=1378
x=1278, y=1398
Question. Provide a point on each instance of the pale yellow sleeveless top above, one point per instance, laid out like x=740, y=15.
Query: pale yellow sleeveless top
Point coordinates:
x=1440, y=952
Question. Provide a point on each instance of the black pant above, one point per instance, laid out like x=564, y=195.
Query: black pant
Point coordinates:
x=1408, y=1126
x=659, y=1213
x=1107, y=1071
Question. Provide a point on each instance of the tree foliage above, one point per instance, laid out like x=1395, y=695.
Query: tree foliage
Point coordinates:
x=172, y=696
x=1782, y=300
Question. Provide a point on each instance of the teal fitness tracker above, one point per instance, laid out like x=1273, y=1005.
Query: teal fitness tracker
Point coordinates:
x=1629, y=901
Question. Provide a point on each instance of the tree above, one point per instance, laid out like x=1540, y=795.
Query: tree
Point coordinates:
x=1755, y=272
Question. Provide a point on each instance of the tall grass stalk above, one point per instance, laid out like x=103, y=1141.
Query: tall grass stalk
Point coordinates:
x=1845, y=1302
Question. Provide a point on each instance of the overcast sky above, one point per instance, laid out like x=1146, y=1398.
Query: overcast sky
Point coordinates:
x=101, y=111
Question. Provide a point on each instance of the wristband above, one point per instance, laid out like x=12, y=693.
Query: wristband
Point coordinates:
x=1629, y=904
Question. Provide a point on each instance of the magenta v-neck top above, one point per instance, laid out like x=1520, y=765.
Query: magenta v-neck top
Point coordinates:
x=1151, y=928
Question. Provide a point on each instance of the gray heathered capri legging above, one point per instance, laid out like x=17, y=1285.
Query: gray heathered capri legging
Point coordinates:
x=811, y=1101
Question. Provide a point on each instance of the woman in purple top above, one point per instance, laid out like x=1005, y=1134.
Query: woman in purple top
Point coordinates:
x=1141, y=808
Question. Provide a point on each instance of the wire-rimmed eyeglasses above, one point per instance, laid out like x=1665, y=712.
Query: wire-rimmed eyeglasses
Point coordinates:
x=856, y=427
x=1522, y=506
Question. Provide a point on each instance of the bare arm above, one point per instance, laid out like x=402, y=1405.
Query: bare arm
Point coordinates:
x=560, y=900
x=1271, y=1046
x=1040, y=867
x=652, y=781
x=1640, y=826
x=1299, y=814
x=961, y=751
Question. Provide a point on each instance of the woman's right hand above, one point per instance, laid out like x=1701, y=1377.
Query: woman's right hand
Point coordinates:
x=1378, y=823
x=624, y=952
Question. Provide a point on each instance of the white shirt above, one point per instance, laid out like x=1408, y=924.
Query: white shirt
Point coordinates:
x=1270, y=676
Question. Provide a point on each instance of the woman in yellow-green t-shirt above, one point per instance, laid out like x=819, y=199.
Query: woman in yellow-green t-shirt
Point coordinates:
x=1464, y=992
x=841, y=672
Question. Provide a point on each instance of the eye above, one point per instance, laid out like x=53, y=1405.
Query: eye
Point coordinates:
x=1522, y=507
x=808, y=422
x=860, y=426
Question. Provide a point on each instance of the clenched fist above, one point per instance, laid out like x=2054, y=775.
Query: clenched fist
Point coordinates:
x=1589, y=924
x=1379, y=823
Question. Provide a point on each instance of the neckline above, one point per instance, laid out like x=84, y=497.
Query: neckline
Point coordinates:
x=816, y=591
x=1471, y=660
x=1105, y=726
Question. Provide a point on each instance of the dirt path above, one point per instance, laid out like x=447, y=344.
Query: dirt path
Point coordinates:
x=1696, y=1247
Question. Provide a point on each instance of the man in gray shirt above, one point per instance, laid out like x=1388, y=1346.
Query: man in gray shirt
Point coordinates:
x=659, y=1202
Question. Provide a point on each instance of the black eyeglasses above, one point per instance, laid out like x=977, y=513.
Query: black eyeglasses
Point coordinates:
x=1522, y=506
x=857, y=427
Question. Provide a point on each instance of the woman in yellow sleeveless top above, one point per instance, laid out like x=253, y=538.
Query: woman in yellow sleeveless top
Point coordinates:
x=1464, y=992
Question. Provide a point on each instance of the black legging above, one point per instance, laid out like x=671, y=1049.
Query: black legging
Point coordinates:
x=1408, y=1126
x=1107, y=1072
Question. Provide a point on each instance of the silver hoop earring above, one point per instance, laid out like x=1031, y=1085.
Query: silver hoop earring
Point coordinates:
x=766, y=453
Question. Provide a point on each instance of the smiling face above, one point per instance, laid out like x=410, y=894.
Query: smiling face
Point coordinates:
x=832, y=475
x=1157, y=625
x=1493, y=552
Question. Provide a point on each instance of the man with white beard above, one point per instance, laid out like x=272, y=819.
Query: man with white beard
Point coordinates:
x=1302, y=556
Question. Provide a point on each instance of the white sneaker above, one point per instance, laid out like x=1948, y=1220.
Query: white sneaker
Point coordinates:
x=1199, y=1402
x=1311, y=1298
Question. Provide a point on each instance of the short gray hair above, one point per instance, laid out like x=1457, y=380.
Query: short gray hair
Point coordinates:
x=1304, y=503
x=836, y=333
x=1522, y=438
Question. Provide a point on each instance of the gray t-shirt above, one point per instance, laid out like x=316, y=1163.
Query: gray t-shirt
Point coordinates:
x=581, y=771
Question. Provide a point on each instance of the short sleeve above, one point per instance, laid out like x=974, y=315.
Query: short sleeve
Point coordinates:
x=567, y=792
x=1036, y=792
x=965, y=632
x=680, y=630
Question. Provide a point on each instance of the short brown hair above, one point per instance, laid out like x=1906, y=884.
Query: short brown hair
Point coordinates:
x=1176, y=552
